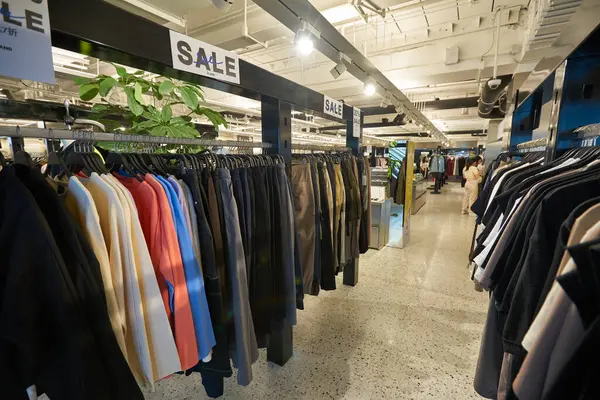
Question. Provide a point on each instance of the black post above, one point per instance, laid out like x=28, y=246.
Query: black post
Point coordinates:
x=277, y=127
x=351, y=269
x=277, y=130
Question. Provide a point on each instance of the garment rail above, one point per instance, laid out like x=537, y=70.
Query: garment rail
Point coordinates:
x=56, y=134
x=318, y=148
x=536, y=253
x=210, y=238
x=532, y=145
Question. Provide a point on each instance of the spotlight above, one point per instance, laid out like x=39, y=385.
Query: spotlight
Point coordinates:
x=304, y=44
x=341, y=67
x=338, y=70
x=303, y=40
x=369, y=87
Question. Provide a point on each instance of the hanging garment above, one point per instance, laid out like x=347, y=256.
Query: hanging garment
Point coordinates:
x=82, y=207
x=115, y=220
x=326, y=245
x=528, y=209
x=246, y=350
x=163, y=352
x=67, y=347
x=205, y=339
x=219, y=366
x=304, y=208
x=167, y=262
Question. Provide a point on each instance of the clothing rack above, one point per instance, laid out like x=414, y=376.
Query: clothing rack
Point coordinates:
x=312, y=147
x=51, y=134
x=532, y=145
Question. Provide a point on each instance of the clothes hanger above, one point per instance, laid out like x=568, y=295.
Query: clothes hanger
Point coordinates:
x=118, y=160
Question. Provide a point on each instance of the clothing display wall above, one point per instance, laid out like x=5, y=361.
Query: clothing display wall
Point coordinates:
x=535, y=252
x=331, y=195
x=132, y=278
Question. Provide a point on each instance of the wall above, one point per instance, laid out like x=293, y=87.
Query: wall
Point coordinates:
x=581, y=92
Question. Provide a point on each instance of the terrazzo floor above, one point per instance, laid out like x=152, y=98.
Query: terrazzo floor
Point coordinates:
x=410, y=329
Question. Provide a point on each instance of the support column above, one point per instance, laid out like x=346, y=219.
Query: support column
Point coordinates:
x=353, y=140
x=277, y=130
x=277, y=127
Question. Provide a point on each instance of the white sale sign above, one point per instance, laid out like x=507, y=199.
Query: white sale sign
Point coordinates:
x=25, y=45
x=356, y=122
x=197, y=57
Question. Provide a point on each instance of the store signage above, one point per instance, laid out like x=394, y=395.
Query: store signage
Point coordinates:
x=25, y=45
x=356, y=121
x=197, y=57
x=333, y=107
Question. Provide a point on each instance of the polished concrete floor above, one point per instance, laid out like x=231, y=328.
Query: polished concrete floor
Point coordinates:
x=410, y=329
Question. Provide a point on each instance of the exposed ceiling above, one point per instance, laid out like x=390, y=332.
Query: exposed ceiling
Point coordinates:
x=433, y=50
x=438, y=52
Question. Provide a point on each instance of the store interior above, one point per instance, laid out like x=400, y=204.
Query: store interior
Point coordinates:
x=299, y=199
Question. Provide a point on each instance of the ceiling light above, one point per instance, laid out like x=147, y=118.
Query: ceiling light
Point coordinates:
x=338, y=70
x=369, y=87
x=304, y=44
x=341, y=67
x=303, y=40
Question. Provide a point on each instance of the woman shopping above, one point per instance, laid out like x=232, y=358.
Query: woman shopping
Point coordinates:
x=472, y=175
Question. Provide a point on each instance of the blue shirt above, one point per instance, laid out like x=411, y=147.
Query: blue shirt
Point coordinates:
x=205, y=337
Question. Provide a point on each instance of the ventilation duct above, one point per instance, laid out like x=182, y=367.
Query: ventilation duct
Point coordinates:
x=492, y=103
x=223, y=5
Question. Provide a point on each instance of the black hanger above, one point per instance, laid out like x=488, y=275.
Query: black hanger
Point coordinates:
x=116, y=160
x=23, y=158
x=54, y=158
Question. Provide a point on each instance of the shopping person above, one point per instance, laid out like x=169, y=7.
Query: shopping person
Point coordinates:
x=473, y=178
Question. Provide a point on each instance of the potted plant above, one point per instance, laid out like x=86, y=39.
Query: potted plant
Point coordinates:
x=141, y=116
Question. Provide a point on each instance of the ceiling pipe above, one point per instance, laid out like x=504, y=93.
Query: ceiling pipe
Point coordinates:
x=245, y=28
x=491, y=92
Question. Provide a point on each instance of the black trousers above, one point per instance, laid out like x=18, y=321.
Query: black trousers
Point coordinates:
x=327, y=259
x=219, y=366
x=261, y=275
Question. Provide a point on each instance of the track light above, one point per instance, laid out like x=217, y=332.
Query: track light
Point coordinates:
x=304, y=44
x=369, y=87
x=340, y=67
x=338, y=70
x=303, y=39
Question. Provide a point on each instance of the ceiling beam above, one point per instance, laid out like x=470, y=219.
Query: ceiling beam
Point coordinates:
x=291, y=13
x=466, y=102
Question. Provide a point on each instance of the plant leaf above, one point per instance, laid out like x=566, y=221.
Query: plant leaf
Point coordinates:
x=189, y=97
x=166, y=87
x=197, y=90
x=135, y=107
x=106, y=85
x=88, y=91
x=81, y=80
x=159, y=131
x=147, y=125
x=139, y=72
x=166, y=113
x=138, y=93
x=182, y=131
x=97, y=108
x=121, y=71
x=182, y=120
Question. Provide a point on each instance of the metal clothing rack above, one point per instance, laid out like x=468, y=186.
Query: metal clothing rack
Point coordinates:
x=587, y=135
x=532, y=145
x=311, y=147
x=17, y=134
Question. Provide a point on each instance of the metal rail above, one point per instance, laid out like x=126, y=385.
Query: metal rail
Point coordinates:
x=37, y=133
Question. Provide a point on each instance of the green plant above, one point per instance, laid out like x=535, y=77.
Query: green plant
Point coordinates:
x=140, y=116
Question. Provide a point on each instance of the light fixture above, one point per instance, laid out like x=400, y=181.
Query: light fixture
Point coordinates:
x=369, y=87
x=303, y=40
x=341, y=67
